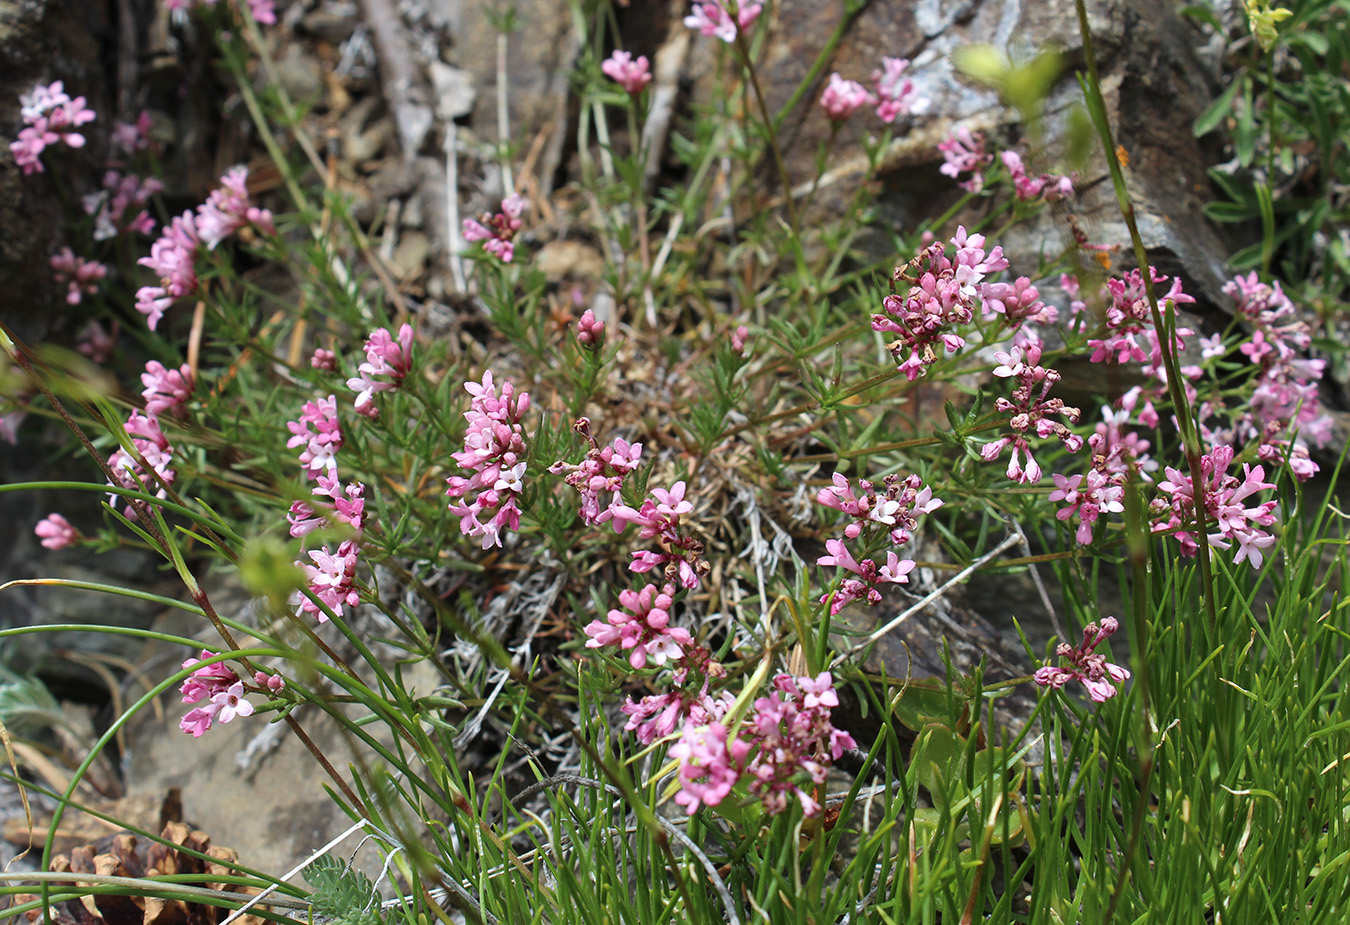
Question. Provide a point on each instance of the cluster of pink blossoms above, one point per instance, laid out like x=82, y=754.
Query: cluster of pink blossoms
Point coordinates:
x=964, y=152
x=154, y=447
x=330, y=575
x=681, y=556
x=220, y=691
x=942, y=296
x=385, y=356
x=56, y=532
x=1030, y=410
x=1285, y=410
x=50, y=117
x=601, y=473
x=786, y=742
x=713, y=19
x=80, y=277
x=173, y=256
x=895, y=94
x=1099, y=676
x=498, y=231
x=632, y=75
x=893, y=513
x=1224, y=498
x=494, y=448
x=320, y=433
x=166, y=390
x=120, y=207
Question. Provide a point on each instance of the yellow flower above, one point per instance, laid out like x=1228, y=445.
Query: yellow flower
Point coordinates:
x=1261, y=19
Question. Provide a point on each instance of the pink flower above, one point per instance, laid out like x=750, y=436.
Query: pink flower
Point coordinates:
x=1096, y=674
x=896, y=93
x=643, y=628
x=601, y=472
x=228, y=209
x=345, y=506
x=1030, y=409
x=80, y=277
x=263, y=11
x=842, y=98
x=896, y=509
x=384, y=357
x=590, y=330
x=710, y=765
x=712, y=19
x=173, y=259
x=150, y=442
x=131, y=137
x=324, y=360
x=96, y=342
x=331, y=577
x=319, y=432
x=1225, y=500
x=895, y=571
x=166, y=390
x=739, y=338
x=494, y=449
x=963, y=152
x=1052, y=186
x=497, y=231
x=56, y=532
x=941, y=296
x=218, y=689
x=51, y=117
x=120, y=206
x=659, y=517
x=632, y=75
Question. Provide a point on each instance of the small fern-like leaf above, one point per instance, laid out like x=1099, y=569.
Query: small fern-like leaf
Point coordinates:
x=341, y=894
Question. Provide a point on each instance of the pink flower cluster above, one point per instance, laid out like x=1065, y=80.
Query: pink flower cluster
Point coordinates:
x=173, y=256
x=1224, y=498
x=1285, y=410
x=895, y=94
x=896, y=510
x=319, y=432
x=154, y=447
x=714, y=20
x=50, y=117
x=80, y=277
x=334, y=505
x=1049, y=185
x=228, y=209
x=384, y=357
x=643, y=629
x=221, y=692
x=681, y=556
x=590, y=330
x=601, y=472
x=942, y=296
x=632, y=75
x=1129, y=320
x=1099, y=676
x=497, y=231
x=1018, y=302
x=120, y=207
x=963, y=152
x=786, y=742
x=331, y=577
x=894, y=513
x=842, y=98
x=494, y=448
x=1030, y=409
x=56, y=532
x=166, y=390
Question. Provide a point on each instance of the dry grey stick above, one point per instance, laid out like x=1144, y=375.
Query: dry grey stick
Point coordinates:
x=1009, y=541
x=405, y=93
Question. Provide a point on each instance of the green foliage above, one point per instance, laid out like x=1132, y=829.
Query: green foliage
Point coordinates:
x=342, y=894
